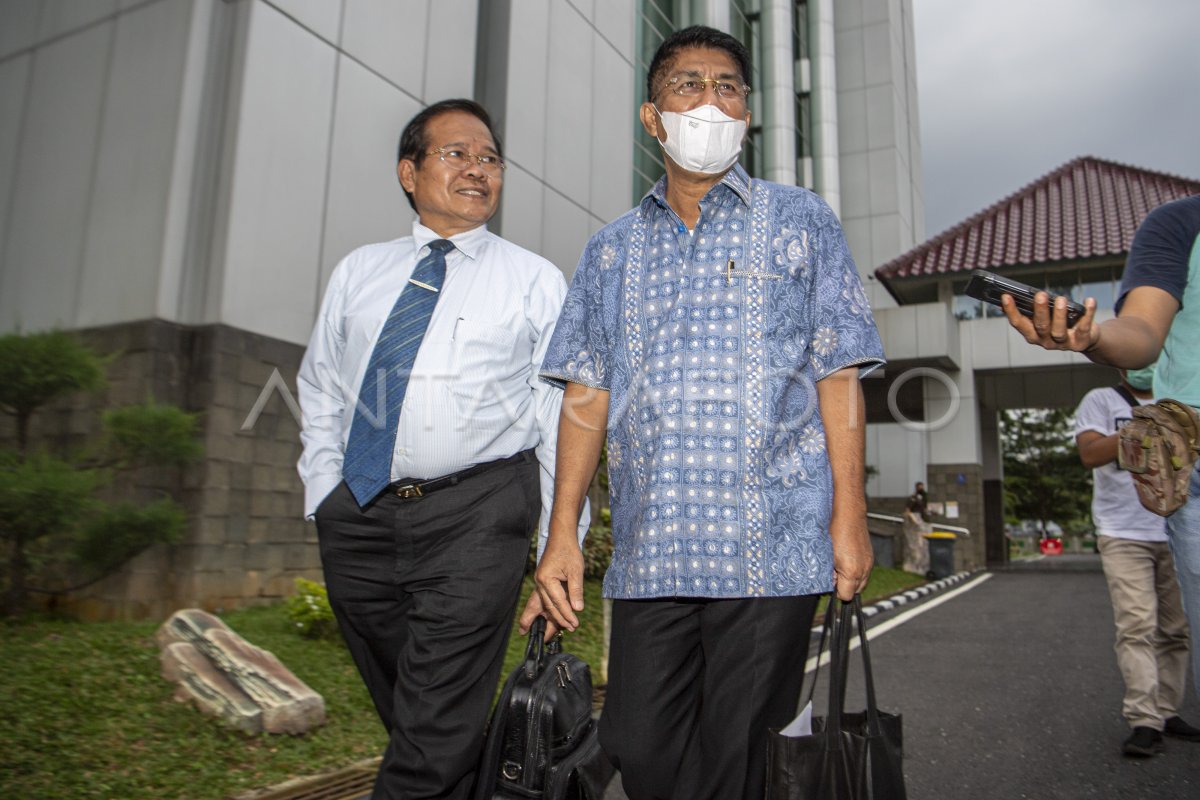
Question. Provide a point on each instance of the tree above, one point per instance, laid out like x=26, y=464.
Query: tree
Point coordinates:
x=1043, y=479
x=60, y=528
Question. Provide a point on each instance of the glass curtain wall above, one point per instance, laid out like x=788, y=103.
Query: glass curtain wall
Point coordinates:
x=656, y=20
x=746, y=27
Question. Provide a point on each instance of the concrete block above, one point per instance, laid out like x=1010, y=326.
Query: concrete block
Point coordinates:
x=258, y=531
x=270, y=504
x=211, y=530
x=284, y=584
x=261, y=478
x=299, y=556
x=287, y=530
x=223, y=447
x=216, y=475
x=256, y=556
x=240, y=502
x=215, y=503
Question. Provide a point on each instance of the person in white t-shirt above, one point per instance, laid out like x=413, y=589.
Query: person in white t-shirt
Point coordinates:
x=1152, y=631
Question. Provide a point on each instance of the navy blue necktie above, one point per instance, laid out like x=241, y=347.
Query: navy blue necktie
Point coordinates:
x=367, y=465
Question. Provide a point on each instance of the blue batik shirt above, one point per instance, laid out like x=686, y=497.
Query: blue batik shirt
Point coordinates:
x=710, y=344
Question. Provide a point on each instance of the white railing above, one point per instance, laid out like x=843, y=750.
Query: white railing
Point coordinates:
x=935, y=525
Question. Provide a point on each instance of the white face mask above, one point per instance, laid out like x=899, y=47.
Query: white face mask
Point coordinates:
x=704, y=139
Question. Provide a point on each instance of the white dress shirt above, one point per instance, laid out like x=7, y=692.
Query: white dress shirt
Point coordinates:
x=474, y=394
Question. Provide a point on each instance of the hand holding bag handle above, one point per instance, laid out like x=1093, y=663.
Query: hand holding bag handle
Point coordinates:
x=849, y=755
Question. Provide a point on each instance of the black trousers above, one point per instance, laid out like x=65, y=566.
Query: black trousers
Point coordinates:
x=693, y=685
x=424, y=592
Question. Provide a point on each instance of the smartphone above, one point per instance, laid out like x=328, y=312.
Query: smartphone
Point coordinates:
x=988, y=287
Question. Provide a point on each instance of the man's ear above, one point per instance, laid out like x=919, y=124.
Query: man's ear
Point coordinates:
x=406, y=171
x=650, y=119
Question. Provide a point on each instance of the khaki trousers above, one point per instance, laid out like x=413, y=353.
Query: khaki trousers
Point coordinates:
x=1152, y=631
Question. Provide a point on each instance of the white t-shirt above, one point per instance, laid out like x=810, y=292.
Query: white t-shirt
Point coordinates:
x=1116, y=510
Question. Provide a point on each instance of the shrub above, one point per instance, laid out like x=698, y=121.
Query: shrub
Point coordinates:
x=309, y=611
x=57, y=532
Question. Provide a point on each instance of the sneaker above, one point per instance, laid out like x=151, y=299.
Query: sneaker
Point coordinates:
x=1142, y=743
x=1176, y=727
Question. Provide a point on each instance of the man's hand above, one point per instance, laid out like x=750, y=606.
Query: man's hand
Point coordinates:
x=533, y=609
x=559, y=579
x=1048, y=326
x=852, y=556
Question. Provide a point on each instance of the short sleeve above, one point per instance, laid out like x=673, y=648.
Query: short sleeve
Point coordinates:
x=843, y=329
x=1161, y=246
x=1093, y=414
x=579, y=350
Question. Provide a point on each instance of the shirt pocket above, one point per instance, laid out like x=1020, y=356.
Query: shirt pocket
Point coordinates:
x=490, y=371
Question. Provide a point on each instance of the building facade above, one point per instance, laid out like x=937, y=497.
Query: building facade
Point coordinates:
x=178, y=179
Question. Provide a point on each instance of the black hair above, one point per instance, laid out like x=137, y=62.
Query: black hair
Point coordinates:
x=414, y=144
x=695, y=36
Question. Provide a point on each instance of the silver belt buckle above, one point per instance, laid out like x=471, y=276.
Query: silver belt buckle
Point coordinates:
x=410, y=491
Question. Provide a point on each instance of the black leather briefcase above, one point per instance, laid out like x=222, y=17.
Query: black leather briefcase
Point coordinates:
x=541, y=742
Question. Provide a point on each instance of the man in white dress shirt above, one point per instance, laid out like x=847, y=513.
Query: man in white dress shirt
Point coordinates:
x=429, y=451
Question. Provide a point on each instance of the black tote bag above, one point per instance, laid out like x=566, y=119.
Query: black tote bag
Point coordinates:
x=848, y=756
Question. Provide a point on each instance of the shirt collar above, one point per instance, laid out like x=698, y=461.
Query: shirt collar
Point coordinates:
x=469, y=243
x=737, y=179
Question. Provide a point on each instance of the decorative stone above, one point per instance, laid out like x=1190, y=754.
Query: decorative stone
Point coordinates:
x=246, y=686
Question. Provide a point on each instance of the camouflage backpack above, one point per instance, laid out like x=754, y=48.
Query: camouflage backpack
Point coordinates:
x=1158, y=447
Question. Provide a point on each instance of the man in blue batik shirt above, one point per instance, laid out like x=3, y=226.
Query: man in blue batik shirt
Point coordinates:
x=717, y=333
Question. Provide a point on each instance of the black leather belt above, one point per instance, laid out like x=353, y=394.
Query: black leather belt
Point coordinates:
x=411, y=489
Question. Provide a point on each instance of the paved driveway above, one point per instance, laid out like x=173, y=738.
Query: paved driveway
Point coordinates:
x=1010, y=689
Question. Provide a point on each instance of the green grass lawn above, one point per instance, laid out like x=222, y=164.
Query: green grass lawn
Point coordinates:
x=85, y=713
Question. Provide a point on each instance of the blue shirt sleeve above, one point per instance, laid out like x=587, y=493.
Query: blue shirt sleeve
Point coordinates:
x=1161, y=246
x=579, y=350
x=844, y=332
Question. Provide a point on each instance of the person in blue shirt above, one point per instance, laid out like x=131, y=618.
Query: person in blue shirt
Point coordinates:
x=714, y=336
x=1158, y=316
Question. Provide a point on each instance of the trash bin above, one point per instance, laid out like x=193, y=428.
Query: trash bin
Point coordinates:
x=941, y=554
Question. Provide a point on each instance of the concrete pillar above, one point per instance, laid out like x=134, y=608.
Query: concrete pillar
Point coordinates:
x=713, y=13
x=778, y=94
x=826, y=176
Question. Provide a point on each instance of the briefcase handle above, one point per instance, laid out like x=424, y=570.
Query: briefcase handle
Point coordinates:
x=538, y=648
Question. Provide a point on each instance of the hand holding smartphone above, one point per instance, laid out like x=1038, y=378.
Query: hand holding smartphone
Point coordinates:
x=990, y=287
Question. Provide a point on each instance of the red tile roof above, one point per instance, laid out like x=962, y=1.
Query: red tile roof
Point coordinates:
x=1086, y=208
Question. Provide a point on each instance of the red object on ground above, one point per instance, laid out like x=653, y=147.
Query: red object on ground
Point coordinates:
x=1051, y=547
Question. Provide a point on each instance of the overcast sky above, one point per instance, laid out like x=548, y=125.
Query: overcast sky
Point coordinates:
x=1012, y=90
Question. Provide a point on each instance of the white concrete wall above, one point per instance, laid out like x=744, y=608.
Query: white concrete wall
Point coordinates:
x=209, y=162
x=570, y=108
x=899, y=455
x=881, y=207
x=325, y=88
x=87, y=145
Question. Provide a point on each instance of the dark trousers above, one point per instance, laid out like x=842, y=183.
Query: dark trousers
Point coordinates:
x=693, y=686
x=424, y=592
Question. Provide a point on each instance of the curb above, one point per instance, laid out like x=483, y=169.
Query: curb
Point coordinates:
x=897, y=600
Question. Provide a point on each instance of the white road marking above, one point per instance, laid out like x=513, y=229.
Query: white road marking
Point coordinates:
x=899, y=619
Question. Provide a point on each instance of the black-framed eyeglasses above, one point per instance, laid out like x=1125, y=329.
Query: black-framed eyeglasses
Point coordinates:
x=461, y=159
